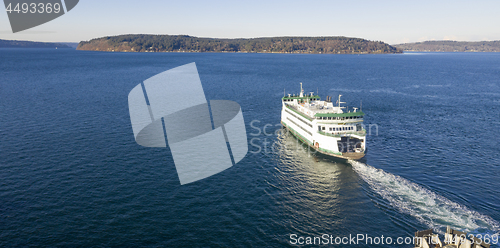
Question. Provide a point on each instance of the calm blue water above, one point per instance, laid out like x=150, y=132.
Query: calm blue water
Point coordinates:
x=71, y=173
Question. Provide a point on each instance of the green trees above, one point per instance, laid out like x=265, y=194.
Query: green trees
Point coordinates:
x=185, y=43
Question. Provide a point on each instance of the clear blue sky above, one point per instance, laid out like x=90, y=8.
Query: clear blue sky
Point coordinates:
x=389, y=21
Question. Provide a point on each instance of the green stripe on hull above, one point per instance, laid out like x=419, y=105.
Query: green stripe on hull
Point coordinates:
x=359, y=113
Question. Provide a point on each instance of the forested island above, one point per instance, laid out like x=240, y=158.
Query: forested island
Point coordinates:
x=30, y=44
x=451, y=46
x=185, y=43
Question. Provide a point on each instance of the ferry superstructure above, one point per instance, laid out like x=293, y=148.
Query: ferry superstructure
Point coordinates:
x=325, y=127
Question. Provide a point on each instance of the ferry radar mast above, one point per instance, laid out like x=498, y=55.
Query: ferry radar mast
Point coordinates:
x=340, y=102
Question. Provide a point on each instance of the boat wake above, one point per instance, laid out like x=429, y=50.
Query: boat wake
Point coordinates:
x=426, y=206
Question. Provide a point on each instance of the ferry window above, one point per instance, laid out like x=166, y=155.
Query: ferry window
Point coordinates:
x=323, y=128
x=319, y=128
x=330, y=129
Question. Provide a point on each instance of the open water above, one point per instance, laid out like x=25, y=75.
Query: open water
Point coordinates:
x=71, y=174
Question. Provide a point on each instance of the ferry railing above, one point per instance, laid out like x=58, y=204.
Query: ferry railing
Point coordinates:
x=342, y=134
x=298, y=112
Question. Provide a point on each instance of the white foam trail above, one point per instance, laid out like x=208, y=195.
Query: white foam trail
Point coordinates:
x=428, y=207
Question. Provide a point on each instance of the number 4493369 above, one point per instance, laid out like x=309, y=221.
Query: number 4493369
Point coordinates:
x=34, y=8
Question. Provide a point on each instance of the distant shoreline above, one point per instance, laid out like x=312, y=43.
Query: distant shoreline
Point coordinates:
x=34, y=44
x=450, y=46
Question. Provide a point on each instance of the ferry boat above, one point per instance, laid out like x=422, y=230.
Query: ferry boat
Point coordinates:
x=329, y=129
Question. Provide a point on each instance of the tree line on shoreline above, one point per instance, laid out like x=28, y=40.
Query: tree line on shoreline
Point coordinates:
x=185, y=43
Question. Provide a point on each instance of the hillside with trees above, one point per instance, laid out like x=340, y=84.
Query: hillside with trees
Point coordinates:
x=185, y=43
x=451, y=46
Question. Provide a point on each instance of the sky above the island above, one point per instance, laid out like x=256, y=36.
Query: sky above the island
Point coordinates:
x=390, y=21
